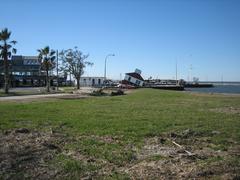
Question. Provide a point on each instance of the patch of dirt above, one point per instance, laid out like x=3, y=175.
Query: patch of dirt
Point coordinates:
x=107, y=138
x=227, y=110
x=162, y=169
x=25, y=154
x=193, y=159
x=74, y=96
x=155, y=146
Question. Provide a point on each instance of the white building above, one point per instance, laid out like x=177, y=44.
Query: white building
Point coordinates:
x=91, y=81
x=134, y=78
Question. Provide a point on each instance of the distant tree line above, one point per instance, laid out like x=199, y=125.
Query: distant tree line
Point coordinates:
x=72, y=61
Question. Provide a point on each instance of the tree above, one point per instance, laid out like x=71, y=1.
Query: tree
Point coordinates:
x=6, y=51
x=46, y=58
x=73, y=60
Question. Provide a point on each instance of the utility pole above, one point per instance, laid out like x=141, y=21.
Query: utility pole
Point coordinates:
x=191, y=72
x=57, y=71
x=176, y=71
x=105, y=67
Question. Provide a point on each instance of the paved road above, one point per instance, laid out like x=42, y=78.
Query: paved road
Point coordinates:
x=78, y=94
x=27, y=97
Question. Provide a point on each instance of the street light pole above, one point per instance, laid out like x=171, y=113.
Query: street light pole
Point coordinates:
x=105, y=67
x=57, y=71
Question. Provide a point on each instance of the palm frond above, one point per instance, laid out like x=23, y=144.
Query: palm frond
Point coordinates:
x=14, y=51
x=40, y=58
x=9, y=46
x=53, y=58
x=39, y=50
x=6, y=49
x=13, y=42
x=52, y=52
x=89, y=63
x=9, y=54
x=5, y=34
x=46, y=50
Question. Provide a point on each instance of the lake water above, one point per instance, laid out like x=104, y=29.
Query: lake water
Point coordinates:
x=231, y=88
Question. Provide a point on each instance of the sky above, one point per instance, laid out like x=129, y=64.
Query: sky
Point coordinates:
x=151, y=35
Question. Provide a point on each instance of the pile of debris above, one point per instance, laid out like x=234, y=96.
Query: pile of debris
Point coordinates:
x=184, y=155
x=188, y=154
x=25, y=154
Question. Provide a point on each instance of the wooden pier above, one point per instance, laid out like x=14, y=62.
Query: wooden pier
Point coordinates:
x=198, y=85
x=168, y=87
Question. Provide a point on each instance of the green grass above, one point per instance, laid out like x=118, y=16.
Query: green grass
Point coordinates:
x=140, y=114
x=73, y=166
x=144, y=113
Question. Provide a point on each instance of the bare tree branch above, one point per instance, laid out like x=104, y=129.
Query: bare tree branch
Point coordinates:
x=73, y=61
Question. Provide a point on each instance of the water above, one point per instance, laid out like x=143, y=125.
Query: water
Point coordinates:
x=226, y=87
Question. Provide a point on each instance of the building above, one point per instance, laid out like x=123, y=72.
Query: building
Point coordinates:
x=92, y=81
x=22, y=65
x=134, y=78
x=26, y=71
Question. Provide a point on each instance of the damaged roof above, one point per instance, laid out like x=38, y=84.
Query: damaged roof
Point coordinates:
x=135, y=75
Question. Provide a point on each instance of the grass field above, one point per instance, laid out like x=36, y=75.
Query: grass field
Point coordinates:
x=128, y=136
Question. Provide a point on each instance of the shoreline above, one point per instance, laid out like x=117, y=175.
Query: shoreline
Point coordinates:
x=211, y=93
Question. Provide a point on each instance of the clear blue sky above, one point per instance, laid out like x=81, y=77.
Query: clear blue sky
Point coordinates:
x=147, y=34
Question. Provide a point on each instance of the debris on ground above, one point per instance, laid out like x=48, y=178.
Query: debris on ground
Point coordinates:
x=187, y=154
x=98, y=92
x=164, y=157
x=22, y=130
x=119, y=92
x=227, y=110
x=25, y=153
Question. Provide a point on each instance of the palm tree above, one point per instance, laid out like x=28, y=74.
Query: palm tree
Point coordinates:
x=46, y=58
x=6, y=51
